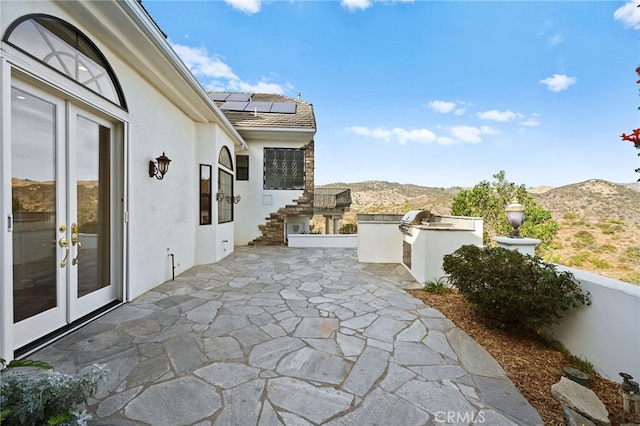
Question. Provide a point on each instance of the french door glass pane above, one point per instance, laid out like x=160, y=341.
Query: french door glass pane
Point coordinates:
x=92, y=248
x=33, y=200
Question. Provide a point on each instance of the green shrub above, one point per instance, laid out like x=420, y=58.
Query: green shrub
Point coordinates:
x=438, y=286
x=43, y=396
x=349, y=228
x=583, y=239
x=609, y=228
x=512, y=289
x=581, y=364
x=608, y=248
x=633, y=278
x=579, y=258
x=633, y=253
x=569, y=216
x=599, y=263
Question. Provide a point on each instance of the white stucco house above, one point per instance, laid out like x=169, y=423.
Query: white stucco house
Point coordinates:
x=94, y=104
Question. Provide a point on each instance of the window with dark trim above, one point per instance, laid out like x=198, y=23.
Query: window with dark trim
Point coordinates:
x=225, y=186
x=242, y=167
x=205, y=194
x=284, y=168
x=225, y=202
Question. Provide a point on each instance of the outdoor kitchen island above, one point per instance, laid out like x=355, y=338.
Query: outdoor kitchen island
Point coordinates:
x=428, y=237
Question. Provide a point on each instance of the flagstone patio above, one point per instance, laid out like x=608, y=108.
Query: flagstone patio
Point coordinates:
x=286, y=336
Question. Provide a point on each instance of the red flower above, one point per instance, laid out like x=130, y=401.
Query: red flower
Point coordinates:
x=634, y=138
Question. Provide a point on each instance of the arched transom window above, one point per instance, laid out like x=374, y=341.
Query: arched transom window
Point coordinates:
x=64, y=48
x=225, y=158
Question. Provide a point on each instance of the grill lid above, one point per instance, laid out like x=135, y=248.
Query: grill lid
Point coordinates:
x=414, y=217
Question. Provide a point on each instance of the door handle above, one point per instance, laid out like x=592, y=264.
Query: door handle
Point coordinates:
x=75, y=259
x=75, y=241
x=64, y=243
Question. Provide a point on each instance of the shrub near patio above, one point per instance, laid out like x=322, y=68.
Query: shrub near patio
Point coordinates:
x=511, y=289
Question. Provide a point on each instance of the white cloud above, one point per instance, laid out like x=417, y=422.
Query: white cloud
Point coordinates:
x=442, y=106
x=263, y=86
x=495, y=115
x=365, y=4
x=416, y=135
x=402, y=136
x=559, y=82
x=377, y=133
x=446, y=107
x=466, y=134
x=217, y=76
x=555, y=39
x=531, y=121
x=486, y=130
x=628, y=15
x=470, y=134
x=356, y=4
x=246, y=6
x=198, y=60
x=443, y=140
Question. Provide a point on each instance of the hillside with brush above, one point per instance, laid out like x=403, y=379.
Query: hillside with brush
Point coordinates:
x=599, y=220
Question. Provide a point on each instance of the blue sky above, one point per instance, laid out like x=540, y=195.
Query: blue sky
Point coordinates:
x=434, y=93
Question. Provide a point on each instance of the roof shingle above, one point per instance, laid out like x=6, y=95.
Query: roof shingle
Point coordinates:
x=303, y=118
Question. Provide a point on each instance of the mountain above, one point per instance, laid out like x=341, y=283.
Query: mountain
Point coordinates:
x=599, y=220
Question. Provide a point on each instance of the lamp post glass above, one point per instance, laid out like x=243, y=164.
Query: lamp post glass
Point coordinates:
x=515, y=214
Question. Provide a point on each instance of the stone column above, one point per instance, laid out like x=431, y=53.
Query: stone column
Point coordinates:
x=336, y=225
x=327, y=224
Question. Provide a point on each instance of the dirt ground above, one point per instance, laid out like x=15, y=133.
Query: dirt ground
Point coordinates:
x=532, y=364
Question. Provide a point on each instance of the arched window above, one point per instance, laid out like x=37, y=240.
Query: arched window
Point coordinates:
x=64, y=48
x=225, y=186
x=225, y=158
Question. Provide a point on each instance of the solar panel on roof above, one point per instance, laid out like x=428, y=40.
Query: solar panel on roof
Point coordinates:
x=234, y=106
x=260, y=106
x=219, y=96
x=239, y=97
x=284, y=107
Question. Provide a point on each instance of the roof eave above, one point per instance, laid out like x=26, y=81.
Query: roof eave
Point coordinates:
x=137, y=13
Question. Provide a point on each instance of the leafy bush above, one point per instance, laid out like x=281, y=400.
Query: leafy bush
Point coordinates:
x=512, y=289
x=438, y=286
x=349, y=228
x=489, y=199
x=44, y=396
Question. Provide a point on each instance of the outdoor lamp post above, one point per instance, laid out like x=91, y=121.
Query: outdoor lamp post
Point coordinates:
x=515, y=214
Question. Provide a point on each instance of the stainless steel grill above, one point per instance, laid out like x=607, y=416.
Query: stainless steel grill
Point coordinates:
x=413, y=217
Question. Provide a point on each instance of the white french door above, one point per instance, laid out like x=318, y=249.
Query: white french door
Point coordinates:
x=63, y=210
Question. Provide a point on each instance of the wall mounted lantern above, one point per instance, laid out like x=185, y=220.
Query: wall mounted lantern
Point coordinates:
x=219, y=196
x=159, y=167
x=235, y=199
x=515, y=214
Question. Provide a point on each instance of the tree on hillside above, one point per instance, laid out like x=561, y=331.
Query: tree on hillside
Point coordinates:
x=489, y=199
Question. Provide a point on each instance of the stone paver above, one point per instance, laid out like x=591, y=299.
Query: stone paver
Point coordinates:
x=284, y=336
